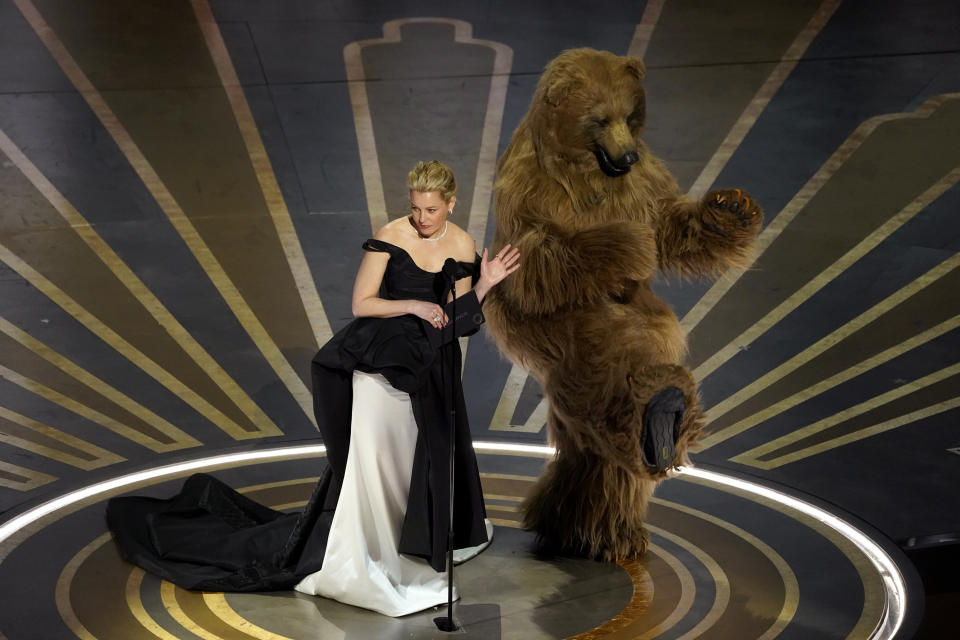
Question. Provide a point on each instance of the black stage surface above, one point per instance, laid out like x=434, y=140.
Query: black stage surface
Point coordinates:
x=184, y=188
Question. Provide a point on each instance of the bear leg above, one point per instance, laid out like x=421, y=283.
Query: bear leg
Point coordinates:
x=585, y=506
x=645, y=422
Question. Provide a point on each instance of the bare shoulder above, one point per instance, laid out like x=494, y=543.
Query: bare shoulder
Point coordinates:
x=384, y=232
x=390, y=231
x=464, y=244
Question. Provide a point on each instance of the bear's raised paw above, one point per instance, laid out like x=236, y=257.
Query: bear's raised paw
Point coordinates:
x=731, y=214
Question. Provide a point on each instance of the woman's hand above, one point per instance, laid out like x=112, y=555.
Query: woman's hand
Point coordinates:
x=432, y=313
x=493, y=271
x=502, y=265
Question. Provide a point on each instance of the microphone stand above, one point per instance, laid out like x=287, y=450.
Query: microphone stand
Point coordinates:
x=447, y=623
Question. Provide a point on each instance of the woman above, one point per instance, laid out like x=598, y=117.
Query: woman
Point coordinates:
x=374, y=532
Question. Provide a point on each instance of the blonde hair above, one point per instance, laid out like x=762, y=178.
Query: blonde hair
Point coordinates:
x=433, y=176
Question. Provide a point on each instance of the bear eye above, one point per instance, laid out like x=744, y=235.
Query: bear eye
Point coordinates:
x=601, y=122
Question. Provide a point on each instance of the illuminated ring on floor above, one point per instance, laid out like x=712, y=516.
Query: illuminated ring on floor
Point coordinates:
x=893, y=581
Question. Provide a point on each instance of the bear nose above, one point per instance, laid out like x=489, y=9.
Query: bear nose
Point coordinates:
x=629, y=158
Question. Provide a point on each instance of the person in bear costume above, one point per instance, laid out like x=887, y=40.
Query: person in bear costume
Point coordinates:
x=594, y=215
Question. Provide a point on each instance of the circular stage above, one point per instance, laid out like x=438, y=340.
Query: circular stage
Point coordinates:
x=728, y=559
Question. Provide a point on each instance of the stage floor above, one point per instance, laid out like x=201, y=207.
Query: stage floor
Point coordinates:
x=728, y=559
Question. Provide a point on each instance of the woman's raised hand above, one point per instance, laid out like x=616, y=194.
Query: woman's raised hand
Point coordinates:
x=432, y=313
x=503, y=264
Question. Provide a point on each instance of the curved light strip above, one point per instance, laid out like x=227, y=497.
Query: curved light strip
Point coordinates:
x=7, y=529
x=894, y=584
x=529, y=449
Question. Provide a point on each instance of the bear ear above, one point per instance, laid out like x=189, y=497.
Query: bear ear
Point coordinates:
x=557, y=91
x=635, y=67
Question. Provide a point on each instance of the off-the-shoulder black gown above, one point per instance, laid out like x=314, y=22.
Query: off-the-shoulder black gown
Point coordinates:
x=210, y=537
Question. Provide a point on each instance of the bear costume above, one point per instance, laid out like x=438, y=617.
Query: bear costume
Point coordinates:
x=594, y=215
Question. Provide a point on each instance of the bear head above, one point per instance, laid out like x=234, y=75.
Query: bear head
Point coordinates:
x=588, y=111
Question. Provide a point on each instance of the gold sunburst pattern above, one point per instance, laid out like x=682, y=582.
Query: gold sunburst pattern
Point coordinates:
x=206, y=289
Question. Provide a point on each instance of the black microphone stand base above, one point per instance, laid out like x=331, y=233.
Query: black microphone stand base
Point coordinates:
x=446, y=623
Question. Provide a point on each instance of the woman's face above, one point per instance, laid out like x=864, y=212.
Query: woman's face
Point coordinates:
x=428, y=212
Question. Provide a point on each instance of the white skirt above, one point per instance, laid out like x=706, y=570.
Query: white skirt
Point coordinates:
x=361, y=565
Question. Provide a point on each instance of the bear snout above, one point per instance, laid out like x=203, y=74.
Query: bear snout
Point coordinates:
x=615, y=166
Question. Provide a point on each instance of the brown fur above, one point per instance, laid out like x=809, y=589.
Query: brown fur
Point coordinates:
x=579, y=314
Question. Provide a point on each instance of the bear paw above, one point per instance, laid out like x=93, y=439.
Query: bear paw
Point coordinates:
x=615, y=253
x=662, y=417
x=731, y=214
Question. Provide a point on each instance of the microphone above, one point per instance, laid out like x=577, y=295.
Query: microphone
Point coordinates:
x=450, y=271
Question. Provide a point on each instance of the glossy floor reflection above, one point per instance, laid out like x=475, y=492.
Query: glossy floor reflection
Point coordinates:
x=723, y=562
